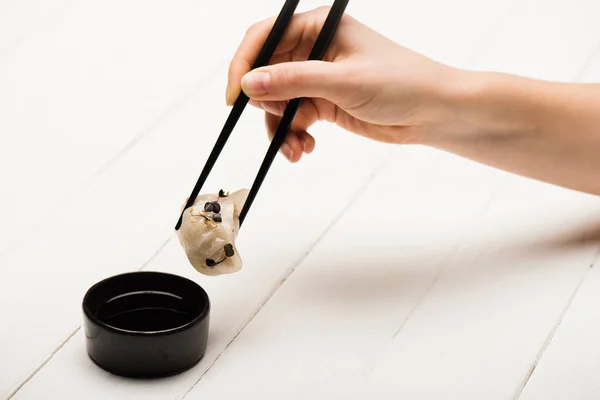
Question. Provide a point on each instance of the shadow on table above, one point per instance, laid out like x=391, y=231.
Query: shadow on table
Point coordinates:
x=578, y=236
x=475, y=261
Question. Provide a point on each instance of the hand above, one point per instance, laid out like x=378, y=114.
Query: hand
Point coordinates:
x=366, y=83
x=376, y=88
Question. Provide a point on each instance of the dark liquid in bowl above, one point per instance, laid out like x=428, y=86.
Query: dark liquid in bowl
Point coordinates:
x=147, y=311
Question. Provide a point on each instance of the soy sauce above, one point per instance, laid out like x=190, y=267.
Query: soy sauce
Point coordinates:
x=147, y=311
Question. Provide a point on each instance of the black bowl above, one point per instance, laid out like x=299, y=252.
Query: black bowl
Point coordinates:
x=146, y=324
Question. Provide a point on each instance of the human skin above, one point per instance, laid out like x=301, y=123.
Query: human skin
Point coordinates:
x=374, y=87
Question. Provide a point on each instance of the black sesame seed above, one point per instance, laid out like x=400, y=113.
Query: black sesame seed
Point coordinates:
x=216, y=207
x=229, y=250
x=222, y=193
x=210, y=262
x=217, y=218
x=209, y=207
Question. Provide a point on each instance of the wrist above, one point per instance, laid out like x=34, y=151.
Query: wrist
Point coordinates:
x=489, y=106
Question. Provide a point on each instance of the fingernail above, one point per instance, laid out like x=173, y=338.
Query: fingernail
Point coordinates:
x=304, y=146
x=254, y=83
x=228, y=95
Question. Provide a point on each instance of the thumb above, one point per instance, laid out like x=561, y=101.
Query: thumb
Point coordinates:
x=286, y=81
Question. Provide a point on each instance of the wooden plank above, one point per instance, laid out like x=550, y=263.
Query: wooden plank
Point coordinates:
x=491, y=310
x=407, y=309
x=480, y=330
x=56, y=241
x=87, y=86
x=143, y=226
x=544, y=27
x=333, y=317
x=20, y=19
x=569, y=366
x=428, y=319
x=160, y=169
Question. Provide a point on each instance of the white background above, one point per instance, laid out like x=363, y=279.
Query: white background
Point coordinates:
x=370, y=271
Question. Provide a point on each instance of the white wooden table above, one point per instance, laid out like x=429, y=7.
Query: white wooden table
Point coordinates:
x=463, y=283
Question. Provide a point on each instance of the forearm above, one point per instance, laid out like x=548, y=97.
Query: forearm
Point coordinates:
x=543, y=130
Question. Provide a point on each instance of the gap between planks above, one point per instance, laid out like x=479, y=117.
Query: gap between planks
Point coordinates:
x=43, y=22
x=456, y=249
x=587, y=63
x=162, y=117
x=43, y=364
x=554, y=329
x=361, y=189
x=365, y=185
x=157, y=122
x=512, y=11
x=577, y=78
x=68, y=338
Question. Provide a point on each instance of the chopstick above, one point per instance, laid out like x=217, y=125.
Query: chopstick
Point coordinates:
x=263, y=58
x=317, y=53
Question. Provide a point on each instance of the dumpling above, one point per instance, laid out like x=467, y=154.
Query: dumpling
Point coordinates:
x=208, y=232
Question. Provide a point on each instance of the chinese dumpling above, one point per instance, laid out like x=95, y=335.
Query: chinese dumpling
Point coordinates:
x=208, y=232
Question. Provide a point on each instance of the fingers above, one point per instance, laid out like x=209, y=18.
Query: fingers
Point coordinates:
x=272, y=107
x=295, y=142
x=245, y=55
x=286, y=81
x=298, y=141
x=303, y=28
x=307, y=141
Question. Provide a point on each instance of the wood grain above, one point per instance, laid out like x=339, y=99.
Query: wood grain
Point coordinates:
x=427, y=277
x=569, y=367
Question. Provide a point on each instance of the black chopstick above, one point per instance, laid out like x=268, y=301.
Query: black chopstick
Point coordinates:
x=263, y=58
x=317, y=53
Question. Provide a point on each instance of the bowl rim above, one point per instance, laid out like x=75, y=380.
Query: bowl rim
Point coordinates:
x=202, y=315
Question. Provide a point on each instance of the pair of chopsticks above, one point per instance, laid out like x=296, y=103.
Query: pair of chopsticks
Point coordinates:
x=317, y=53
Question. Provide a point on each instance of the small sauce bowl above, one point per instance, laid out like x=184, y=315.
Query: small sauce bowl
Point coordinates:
x=146, y=324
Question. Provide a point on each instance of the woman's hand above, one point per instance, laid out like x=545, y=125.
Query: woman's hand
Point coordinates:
x=366, y=83
x=376, y=88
